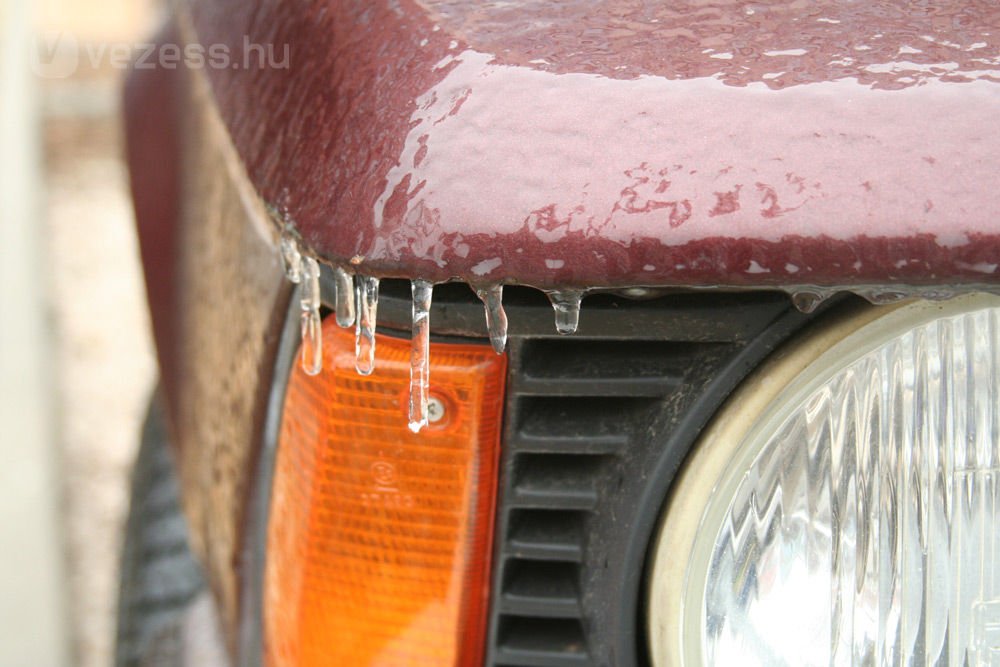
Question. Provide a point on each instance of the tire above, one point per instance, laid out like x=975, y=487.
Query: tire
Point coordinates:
x=159, y=577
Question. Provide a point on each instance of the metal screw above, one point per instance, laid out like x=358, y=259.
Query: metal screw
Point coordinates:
x=435, y=410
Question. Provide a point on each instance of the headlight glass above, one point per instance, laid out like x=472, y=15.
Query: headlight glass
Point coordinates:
x=858, y=520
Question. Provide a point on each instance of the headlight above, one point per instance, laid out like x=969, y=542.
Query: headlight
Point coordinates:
x=843, y=509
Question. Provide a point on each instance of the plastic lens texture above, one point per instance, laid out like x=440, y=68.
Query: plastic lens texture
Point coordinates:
x=379, y=539
x=844, y=510
x=866, y=529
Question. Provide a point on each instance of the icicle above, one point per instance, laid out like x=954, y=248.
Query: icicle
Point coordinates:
x=566, y=303
x=807, y=300
x=312, y=343
x=291, y=257
x=496, y=318
x=312, y=333
x=366, y=290
x=345, y=297
x=420, y=359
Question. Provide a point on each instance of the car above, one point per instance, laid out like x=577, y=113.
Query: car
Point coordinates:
x=578, y=333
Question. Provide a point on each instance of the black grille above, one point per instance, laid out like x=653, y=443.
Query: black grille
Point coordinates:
x=596, y=426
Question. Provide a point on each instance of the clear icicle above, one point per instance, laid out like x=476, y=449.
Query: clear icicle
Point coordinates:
x=366, y=290
x=807, y=301
x=345, y=297
x=566, y=303
x=312, y=333
x=420, y=359
x=496, y=318
x=291, y=257
x=312, y=343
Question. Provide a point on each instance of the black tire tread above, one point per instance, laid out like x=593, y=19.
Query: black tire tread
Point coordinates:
x=159, y=575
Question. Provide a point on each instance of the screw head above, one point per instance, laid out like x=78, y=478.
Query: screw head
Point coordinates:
x=435, y=410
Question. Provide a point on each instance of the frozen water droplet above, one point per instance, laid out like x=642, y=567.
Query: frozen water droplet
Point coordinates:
x=882, y=296
x=496, y=318
x=936, y=295
x=345, y=297
x=420, y=359
x=312, y=343
x=291, y=257
x=311, y=327
x=566, y=303
x=807, y=301
x=366, y=291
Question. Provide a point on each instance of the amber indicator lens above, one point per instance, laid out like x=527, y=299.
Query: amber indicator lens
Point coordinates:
x=379, y=539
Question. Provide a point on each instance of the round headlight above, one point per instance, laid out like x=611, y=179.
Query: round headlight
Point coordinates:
x=844, y=508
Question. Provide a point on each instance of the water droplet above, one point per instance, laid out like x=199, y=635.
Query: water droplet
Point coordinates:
x=311, y=326
x=291, y=257
x=496, y=318
x=883, y=296
x=420, y=359
x=345, y=297
x=366, y=291
x=937, y=294
x=566, y=303
x=807, y=300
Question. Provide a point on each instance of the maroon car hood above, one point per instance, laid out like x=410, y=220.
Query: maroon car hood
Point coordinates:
x=619, y=143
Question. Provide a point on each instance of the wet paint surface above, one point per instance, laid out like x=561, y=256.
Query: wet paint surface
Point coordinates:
x=605, y=144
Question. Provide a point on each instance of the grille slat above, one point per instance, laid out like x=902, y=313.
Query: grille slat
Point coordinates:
x=573, y=425
x=613, y=387
x=541, y=642
x=547, y=535
x=540, y=588
x=556, y=481
x=582, y=367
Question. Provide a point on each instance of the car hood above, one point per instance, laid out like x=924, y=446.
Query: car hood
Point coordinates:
x=583, y=144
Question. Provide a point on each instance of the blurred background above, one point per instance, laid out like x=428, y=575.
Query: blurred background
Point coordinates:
x=76, y=364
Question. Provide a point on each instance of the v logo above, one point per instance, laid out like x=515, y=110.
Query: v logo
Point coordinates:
x=47, y=46
x=55, y=55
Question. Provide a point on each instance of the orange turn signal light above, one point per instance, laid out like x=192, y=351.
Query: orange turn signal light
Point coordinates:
x=379, y=539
